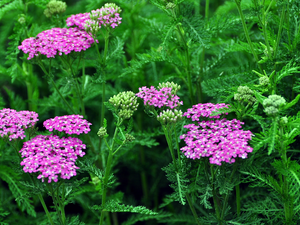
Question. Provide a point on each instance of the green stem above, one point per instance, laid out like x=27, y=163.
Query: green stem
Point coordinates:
x=192, y=208
x=238, y=3
x=107, y=171
x=238, y=199
x=279, y=31
x=206, y=9
x=214, y=194
x=227, y=194
x=188, y=62
x=170, y=146
x=177, y=145
x=55, y=202
x=288, y=210
x=54, y=85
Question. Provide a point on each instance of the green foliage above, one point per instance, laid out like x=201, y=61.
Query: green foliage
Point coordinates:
x=115, y=206
x=179, y=181
x=12, y=179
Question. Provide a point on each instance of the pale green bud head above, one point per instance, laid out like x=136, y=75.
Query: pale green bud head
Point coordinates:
x=264, y=81
x=271, y=111
x=244, y=94
x=114, y=6
x=175, y=87
x=102, y=133
x=169, y=116
x=274, y=100
x=22, y=19
x=170, y=5
x=125, y=103
x=284, y=120
x=55, y=7
x=129, y=138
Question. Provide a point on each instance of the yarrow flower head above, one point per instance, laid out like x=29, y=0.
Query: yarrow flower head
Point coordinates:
x=204, y=110
x=175, y=87
x=125, y=103
x=169, y=116
x=244, y=94
x=70, y=124
x=159, y=98
x=57, y=41
x=13, y=123
x=55, y=7
x=51, y=156
x=221, y=141
x=107, y=16
x=273, y=104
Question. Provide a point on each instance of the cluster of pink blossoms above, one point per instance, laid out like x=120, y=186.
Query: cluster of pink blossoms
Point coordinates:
x=220, y=140
x=13, y=123
x=57, y=40
x=204, y=110
x=51, y=155
x=159, y=98
x=106, y=16
x=71, y=124
x=78, y=20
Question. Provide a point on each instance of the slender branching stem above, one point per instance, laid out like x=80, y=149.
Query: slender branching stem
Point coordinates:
x=238, y=3
x=56, y=88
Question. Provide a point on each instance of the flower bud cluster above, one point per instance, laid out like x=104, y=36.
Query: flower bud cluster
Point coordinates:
x=272, y=104
x=175, y=87
x=245, y=94
x=129, y=138
x=264, y=81
x=55, y=7
x=125, y=103
x=169, y=116
x=102, y=133
x=13, y=123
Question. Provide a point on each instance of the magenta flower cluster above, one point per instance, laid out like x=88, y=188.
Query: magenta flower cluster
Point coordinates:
x=220, y=140
x=159, y=98
x=13, y=123
x=70, y=124
x=57, y=41
x=106, y=16
x=204, y=110
x=51, y=156
x=78, y=20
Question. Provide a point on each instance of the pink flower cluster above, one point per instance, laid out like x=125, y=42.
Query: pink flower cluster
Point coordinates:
x=204, y=110
x=106, y=16
x=159, y=98
x=70, y=124
x=221, y=140
x=57, y=40
x=78, y=20
x=13, y=123
x=51, y=155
